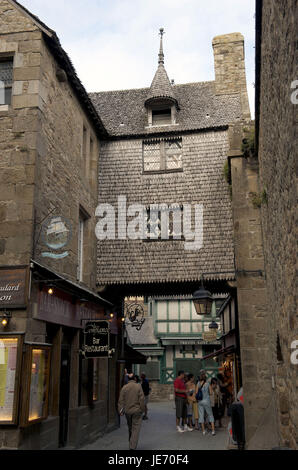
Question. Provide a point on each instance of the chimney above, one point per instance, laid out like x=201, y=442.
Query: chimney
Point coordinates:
x=229, y=68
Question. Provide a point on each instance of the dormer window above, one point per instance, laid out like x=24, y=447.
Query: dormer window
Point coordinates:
x=161, y=103
x=161, y=117
x=161, y=113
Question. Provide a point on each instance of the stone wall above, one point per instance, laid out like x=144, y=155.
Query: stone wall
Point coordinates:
x=45, y=171
x=65, y=180
x=20, y=39
x=278, y=171
x=252, y=299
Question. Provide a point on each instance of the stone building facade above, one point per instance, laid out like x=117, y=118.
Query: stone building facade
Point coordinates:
x=49, y=138
x=276, y=128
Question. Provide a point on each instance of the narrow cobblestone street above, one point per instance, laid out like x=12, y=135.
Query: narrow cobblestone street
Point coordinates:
x=159, y=433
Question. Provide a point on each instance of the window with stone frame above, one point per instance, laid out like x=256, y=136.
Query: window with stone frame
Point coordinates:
x=6, y=71
x=162, y=155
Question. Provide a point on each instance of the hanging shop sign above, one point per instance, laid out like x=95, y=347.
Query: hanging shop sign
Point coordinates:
x=209, y=336
x=13, y=286
x=56, y=235
x=96, y=339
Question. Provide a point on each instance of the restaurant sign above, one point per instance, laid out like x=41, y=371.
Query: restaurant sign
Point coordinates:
x=13, y=286
x=96, y=339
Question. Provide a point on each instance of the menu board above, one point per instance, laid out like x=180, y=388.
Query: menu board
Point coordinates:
x=38, y=383
x=8, y=364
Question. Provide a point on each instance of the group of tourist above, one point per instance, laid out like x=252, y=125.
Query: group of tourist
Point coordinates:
x=197, y=403
x=202, y=403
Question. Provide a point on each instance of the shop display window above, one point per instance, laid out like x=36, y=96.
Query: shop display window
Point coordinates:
x=36, y=384
x=10, y=365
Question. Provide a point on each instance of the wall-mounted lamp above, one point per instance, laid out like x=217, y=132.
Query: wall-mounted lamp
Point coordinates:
x=51, y=290
x=5, y=317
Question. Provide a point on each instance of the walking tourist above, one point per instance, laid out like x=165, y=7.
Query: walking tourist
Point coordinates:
x=132, y=404
x=181, y=402
x=146, y=391
x=204, y=403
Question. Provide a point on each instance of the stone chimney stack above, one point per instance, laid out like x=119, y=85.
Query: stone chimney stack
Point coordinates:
x=229, y=67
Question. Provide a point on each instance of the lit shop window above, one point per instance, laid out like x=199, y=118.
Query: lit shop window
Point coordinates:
x=36, y=384
x=10, y=362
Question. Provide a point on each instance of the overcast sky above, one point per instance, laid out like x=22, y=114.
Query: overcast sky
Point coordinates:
x=114, y=44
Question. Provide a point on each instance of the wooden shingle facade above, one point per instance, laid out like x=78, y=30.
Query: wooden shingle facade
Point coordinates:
x=198, y=118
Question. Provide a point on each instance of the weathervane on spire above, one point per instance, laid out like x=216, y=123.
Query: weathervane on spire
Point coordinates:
x=161, y=55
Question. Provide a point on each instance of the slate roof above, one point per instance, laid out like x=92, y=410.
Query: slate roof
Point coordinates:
x=161, y=86
x=123, y=112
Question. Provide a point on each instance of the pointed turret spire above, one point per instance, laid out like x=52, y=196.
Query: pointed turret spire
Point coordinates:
x=161, y=57
x=161, y=87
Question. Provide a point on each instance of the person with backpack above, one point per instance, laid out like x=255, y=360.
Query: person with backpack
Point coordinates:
x=203, y=390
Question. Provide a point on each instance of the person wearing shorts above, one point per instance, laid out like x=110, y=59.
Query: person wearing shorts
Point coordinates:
x=181, y=402
x=205, y=404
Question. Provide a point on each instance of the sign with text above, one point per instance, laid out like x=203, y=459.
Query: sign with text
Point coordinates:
x=59, y=308
x=209, y=336
x=96, y=339
x=13, y=286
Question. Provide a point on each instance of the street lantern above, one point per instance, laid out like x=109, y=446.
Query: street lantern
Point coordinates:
x=213, y=326
x=202, y=300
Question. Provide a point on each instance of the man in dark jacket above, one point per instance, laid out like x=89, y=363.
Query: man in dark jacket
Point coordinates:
x=146, y=391
x=132, y=404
